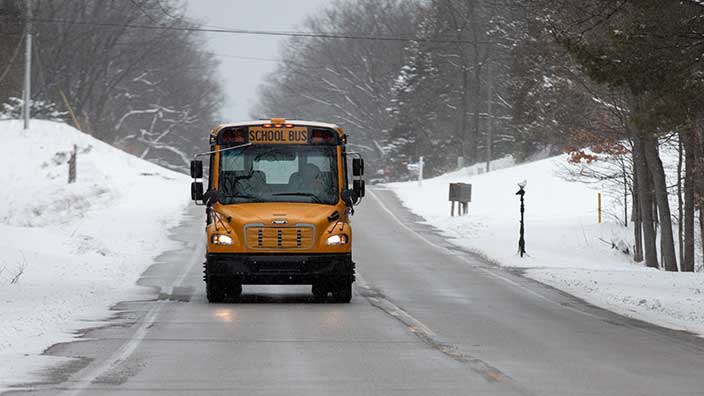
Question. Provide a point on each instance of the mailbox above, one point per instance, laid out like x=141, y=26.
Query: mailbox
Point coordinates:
x=460, y=192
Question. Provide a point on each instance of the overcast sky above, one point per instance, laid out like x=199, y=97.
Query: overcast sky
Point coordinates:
x=242, y=76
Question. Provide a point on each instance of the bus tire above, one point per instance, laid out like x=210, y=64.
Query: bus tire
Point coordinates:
x=342, y=293
x=214, y=291
x=234, y=291
x=320, y=292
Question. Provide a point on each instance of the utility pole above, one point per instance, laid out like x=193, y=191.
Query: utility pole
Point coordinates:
x=490, y=119
x=27, y=66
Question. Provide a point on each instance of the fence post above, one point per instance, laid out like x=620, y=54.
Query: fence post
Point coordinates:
x=72, y=165
x=598, y=199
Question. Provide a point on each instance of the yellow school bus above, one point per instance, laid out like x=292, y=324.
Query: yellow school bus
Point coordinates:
x=278, y=204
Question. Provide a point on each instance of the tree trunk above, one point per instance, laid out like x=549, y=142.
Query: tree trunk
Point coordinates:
x=698, y=178
x=701, y=228
x=690, y=162
x=637, y=221
x=645, y=207
x=477, y=110
x=466, y=138
x=680, y=208
x=652, y=158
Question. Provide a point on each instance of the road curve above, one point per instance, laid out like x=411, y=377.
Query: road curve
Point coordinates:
x=426, y=319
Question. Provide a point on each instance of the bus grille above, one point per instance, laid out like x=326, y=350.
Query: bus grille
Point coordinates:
x=296, y=237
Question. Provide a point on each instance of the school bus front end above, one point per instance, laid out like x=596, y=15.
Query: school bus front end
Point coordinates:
x=279, y=207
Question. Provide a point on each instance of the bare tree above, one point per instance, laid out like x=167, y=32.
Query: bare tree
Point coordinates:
x=346, y=81
x=151, y=91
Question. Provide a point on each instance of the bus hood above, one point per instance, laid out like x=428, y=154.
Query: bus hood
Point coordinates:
x=277, y=213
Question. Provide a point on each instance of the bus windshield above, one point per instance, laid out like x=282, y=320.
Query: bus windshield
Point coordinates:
x=279, y=173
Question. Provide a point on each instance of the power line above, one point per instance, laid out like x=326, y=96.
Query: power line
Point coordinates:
x=273, y=60
x=261, y=32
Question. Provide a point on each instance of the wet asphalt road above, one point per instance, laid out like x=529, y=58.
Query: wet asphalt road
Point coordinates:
x=426, y=319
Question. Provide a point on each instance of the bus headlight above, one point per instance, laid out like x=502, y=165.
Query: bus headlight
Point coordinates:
x=220, y=239
x=337, y=240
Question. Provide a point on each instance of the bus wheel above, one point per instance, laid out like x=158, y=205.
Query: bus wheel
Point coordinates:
x=320, y=292
x=343, y=292
x=214, y=291
x=234, y=291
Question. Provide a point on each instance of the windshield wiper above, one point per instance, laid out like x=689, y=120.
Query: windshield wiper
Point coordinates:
x=302, y=194
x=299, y=194
x=246, y=196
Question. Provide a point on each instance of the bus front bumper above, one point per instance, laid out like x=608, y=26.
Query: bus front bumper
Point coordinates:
x=280, y=268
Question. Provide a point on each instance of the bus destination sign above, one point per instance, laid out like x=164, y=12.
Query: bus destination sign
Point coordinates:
x=261, y=135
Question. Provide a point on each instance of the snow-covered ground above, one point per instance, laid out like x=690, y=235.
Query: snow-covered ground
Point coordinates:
x=566, y=246
x=69, y=252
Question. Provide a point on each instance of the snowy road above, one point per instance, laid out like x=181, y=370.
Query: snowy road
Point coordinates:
x=426, y=319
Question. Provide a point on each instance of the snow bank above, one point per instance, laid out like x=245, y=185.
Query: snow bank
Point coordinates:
x=70, y=251
x=566, y=246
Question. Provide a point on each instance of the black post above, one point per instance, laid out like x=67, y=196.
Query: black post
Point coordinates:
x=521, y=239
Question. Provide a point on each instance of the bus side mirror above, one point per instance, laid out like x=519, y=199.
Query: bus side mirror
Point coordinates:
x=197, y=191
x=197, y=169
x=357, y=167
x=358, y=188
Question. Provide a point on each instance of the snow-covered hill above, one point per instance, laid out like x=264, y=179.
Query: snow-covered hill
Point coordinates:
x=566, y=246
x=70, y=251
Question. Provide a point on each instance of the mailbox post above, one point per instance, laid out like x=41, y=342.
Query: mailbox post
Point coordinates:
x=462, y=194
